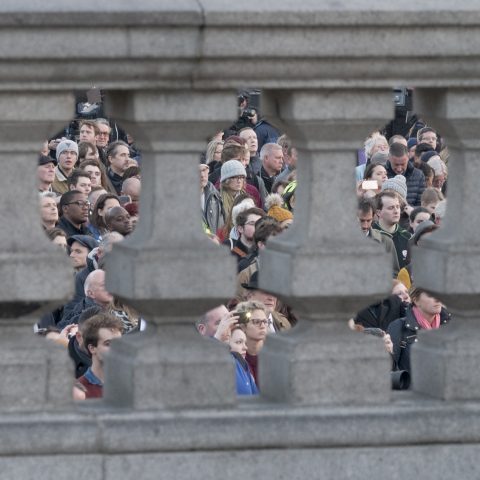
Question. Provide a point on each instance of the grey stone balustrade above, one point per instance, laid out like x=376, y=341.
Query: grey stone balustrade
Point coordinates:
x=168, y=269
x=448, y=262
x=35, y=274
x=321, y=266
x=145, y=49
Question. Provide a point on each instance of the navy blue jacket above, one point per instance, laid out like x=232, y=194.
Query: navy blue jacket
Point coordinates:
x=415, y=182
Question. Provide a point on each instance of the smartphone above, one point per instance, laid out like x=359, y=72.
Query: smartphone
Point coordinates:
x=124, y=199
x=369, y=185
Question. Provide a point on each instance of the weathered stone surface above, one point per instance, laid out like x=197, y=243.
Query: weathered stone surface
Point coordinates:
x=173, y=368
x=36, y=374
x=373, y=463
x=322, y=266
x=445, y=363
x=169, y=270
x=149, y=49
x=167, y=265
x=84, y=467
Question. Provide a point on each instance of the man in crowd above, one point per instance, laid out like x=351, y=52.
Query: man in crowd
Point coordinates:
x=249, y=135
x=95, y=294
x=74, y=208
x=117, y=219
x=217, y=323
x=365, y=217
x=272, y=163
x=67, y=156
x=246, y=221
x=428, y=135
x=264, y=228
x=88, y=131
x=80, y=180
x=98, y=332
x=266, y=133
x=80, y=246
x=45, y=173
x=388, y=213
x=118, y=156
x=48, y=210
x=276, y=321
x=102, y=138
x=290, y=156
x=132, y=187
x=398, y=164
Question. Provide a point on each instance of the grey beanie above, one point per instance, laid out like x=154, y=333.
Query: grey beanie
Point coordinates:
x=397, y=184
x=232, y=168
x=66, y=145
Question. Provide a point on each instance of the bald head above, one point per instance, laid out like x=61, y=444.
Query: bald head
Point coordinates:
x=95, y=288
x=132, y=187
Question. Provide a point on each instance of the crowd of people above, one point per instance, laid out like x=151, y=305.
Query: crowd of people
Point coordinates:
x=89, y=184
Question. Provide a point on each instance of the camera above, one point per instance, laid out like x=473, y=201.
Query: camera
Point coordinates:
x=244, y=318
x=249, y=113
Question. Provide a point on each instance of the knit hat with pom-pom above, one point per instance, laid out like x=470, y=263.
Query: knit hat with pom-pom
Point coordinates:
x=273, y=205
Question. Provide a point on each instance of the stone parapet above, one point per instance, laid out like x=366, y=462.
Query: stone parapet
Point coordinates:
x=355, y=442
x=207, y=44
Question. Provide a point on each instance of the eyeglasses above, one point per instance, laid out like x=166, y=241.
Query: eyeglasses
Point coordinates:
x=80, y=204
x=103, y=134
x=257, y=322
x=238, y=177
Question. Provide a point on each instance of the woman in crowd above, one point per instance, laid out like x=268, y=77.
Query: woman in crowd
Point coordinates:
x=214, y=154
x=417, y=216
x=238, y=348
x=232, y=182
x=253, y=321
x=425, y=313
x=97, y=223
x=373, y=144
x=373, y=172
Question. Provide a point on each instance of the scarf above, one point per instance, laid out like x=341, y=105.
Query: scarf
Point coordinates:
x=423, y=322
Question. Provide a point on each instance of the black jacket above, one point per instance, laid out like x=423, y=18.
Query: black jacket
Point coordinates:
x=381, y=314
x=70, y=229
x=80, y=358
x=403, y=333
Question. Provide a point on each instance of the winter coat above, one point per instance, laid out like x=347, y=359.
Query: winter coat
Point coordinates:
x=213, y=213
x=403, y=333
x=400, y=239
x=415, y=182
x=381, y=314
x=266, y=133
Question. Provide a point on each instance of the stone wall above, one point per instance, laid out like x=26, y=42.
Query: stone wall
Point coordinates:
x=171, y=69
